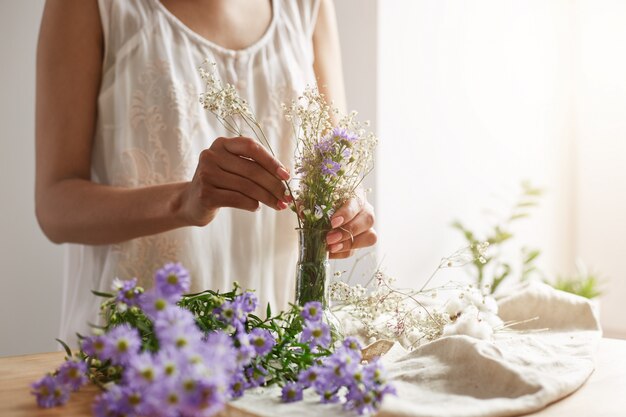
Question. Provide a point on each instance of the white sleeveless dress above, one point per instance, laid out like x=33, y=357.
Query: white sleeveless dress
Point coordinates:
x=151, y=130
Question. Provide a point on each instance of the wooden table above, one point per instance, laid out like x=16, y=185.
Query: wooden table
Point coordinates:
x=604, y=394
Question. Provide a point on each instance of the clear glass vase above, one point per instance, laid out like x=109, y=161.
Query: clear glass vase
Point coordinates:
x=313, y=274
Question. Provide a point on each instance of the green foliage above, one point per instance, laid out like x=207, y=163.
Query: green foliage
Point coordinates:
x=493, y=271
x=490, y=271
x=283, y=363
x=583, y=283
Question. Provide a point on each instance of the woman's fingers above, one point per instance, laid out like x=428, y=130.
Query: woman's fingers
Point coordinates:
x=347, y=212
x=363, y=240
x=242, y=166
x=234, y=199
x=226, y=181
x=361, y=223
x=249, y=148
x=252, y=171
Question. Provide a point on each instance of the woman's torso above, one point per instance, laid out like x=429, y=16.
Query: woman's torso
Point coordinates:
x=151, y=129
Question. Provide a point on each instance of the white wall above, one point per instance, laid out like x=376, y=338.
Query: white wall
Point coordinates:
x=31, y=266
x=473, y=99
x=601, y=162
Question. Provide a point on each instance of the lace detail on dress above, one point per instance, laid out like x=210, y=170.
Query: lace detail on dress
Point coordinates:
x=165, y=114
x=166, y=118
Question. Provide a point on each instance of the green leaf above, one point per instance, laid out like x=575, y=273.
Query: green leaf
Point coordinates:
x=518, y=216
x=66, y=347
x=531, y=255
x=268, y=311
x=101, y=294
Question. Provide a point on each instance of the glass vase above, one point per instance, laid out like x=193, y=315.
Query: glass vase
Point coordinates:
x=313, y=274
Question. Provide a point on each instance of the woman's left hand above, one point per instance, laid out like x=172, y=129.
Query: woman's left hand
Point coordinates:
x=352, y=228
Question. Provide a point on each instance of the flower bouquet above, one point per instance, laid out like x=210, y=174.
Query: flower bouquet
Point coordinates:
x=333, y=156
x=164, y=354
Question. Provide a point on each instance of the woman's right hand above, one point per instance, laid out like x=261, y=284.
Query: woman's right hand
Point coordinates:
x=234, y=172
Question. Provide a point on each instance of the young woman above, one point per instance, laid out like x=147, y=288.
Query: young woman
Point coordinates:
x=133, y=173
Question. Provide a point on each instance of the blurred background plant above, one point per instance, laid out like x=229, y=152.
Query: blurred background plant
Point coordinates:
x=496, y=269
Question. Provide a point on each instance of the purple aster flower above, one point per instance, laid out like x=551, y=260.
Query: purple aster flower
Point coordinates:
x=330, y=167
x=342, y=365
x=50, y=392
x=327, y=395
x=127, y=292
x=352, y=343
x=166, y=397
x=374, y=373
x=245, y=351
x=237, y=385
x=174, y=317
x=361, y=400
x=326, y=145
x=181, y=337
x=73, y=373
x=123, y=344
x=316, y=334
x=311, y=376
x=256, y=375
x=137, y=402
x=94, y=346
x=219, y=348
x=340, y=134
x=172, y=281
x=231, y=312
x=248, y=301
x=312, y=311
x=262, y=341
x=203, y=397
x=291, y=392
x=110, y=403
x=169, y=363
x=142, y=370
x=153, y=304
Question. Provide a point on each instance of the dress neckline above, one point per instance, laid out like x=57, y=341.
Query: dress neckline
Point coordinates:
x=255, y=46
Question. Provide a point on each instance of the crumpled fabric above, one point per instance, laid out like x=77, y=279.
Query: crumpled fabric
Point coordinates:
x=522, y=370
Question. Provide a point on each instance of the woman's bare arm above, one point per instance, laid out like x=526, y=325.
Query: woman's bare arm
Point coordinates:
x=69, y=206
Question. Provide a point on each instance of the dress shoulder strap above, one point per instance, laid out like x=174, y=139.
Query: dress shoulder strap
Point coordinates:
x=121, y=20
x=302, y=14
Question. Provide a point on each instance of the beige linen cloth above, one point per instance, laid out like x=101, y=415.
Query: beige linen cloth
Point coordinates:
x=518, y=372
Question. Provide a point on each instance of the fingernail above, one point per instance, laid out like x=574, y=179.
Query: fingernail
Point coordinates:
x=336, y=222
x=282, y=173
x=282, y=205
x=333, y=237
x=336, y=248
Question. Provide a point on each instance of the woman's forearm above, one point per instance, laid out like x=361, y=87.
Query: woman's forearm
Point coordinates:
x=80, y=211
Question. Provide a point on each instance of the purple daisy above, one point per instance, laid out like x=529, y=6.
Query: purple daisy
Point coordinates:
x=316, y=334
x=50, y=392
x=340, y=134
x=262, y=341
x=330, y=167
x=312, y=311
x=256, y=375
x=291, y=392
x=73, y=373
x=127, y=291
x=248, y=301
x=172, y=281
x=153, y=304
x=94, y=346
x=123, y=344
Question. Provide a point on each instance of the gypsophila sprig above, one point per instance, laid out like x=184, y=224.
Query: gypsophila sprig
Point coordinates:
x=413, y=317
